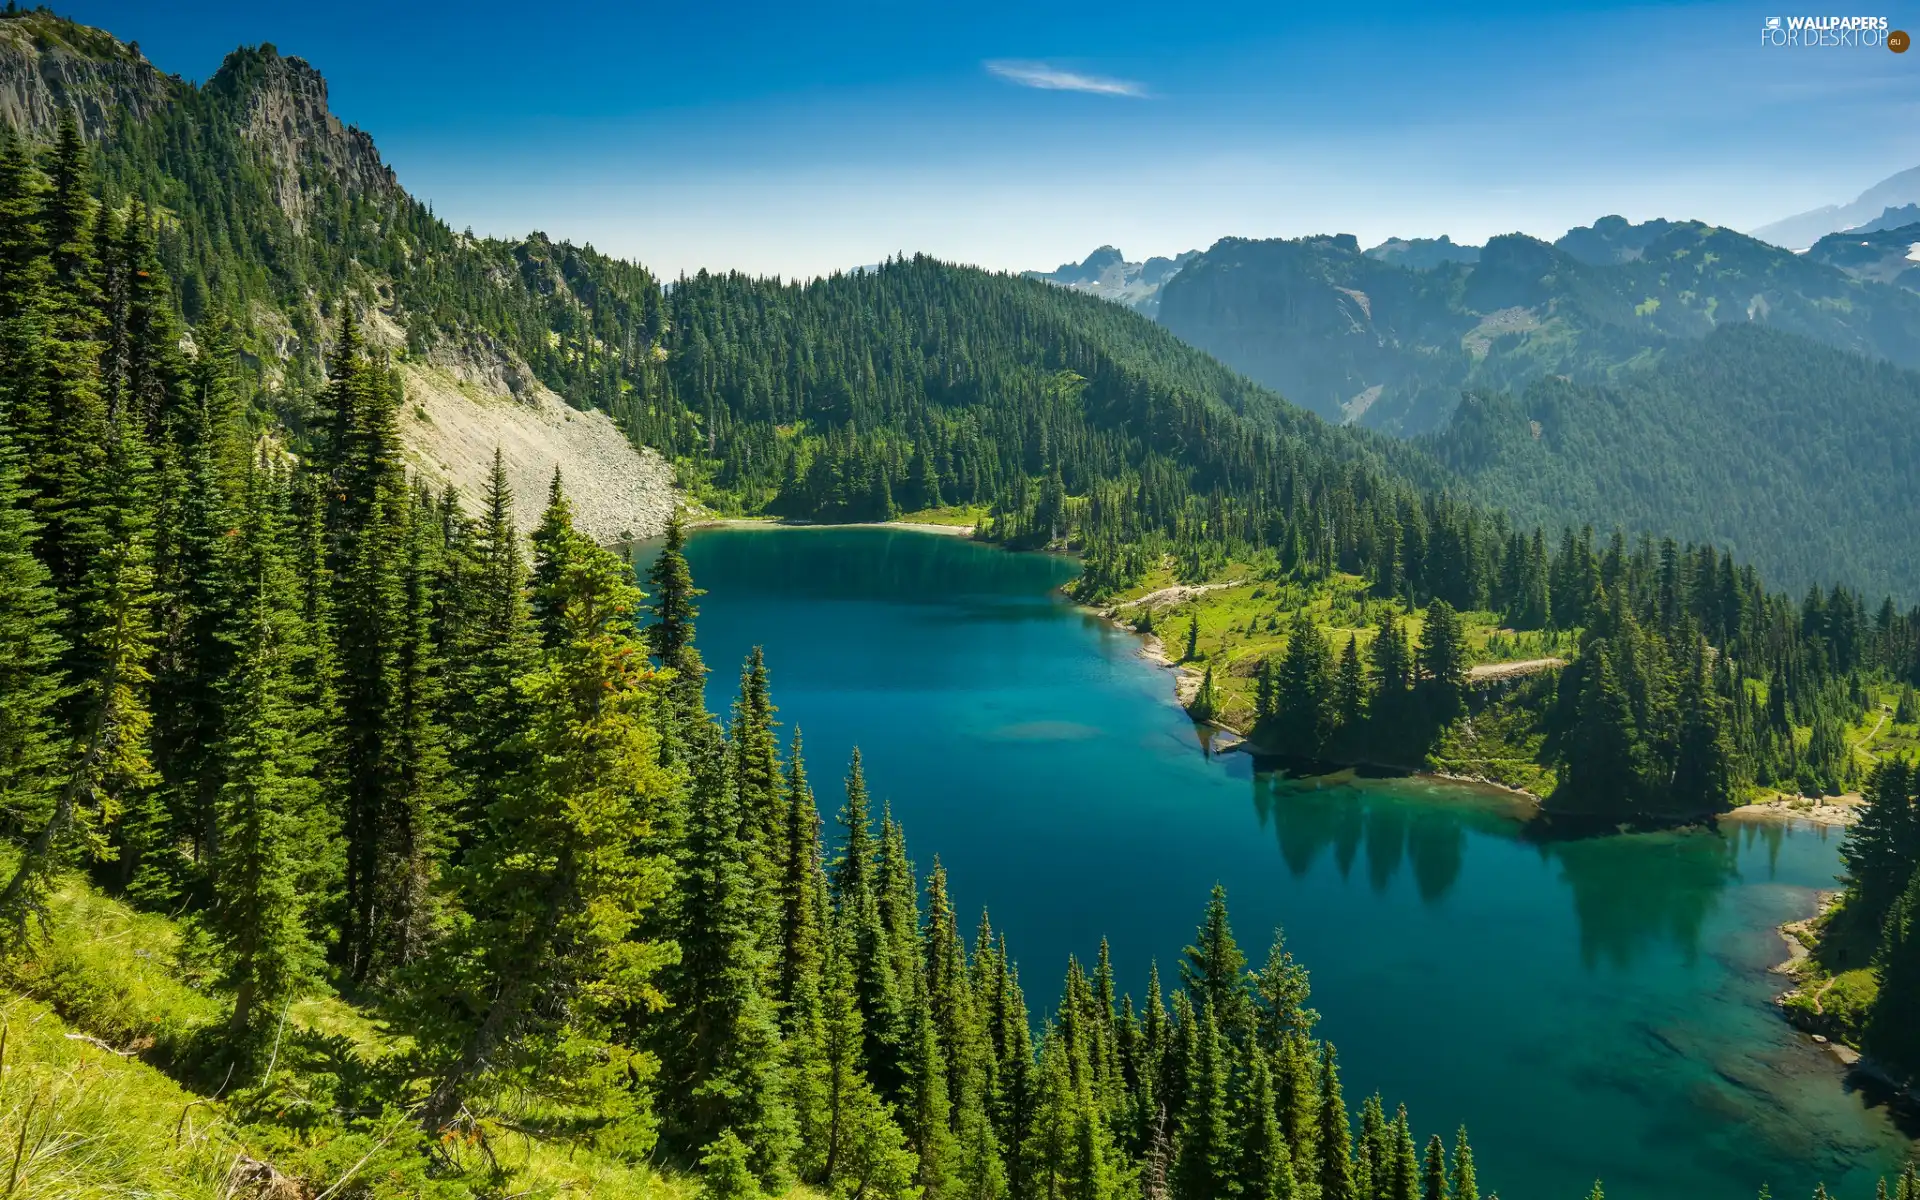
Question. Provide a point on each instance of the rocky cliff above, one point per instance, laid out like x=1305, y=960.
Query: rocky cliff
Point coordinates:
x=49, y=66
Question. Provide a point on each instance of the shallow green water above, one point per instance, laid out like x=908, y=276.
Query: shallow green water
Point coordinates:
x=1589, y=1008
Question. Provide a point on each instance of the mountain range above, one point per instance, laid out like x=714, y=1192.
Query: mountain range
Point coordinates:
x=1804, y=229
x=825, y=399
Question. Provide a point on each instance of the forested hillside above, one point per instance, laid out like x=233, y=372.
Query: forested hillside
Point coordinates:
x=1365, y=339
x=550, y=925
x=1783, y=450
x=444, y=881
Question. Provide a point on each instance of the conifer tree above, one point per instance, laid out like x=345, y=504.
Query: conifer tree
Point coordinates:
x=864, y=1150
x=499, y=647
x=1891, y=1034
x=1433, y=1173
x=1442, y=655
x=109, y=758
x=1703, y=768
x=1462, y=1182
x=1304, y=700
x=30, y=687
x=727, y=1171
x=1204, y=1169
x=1350, y=687
x=1296, y=1078
x=267, y=817
x=1216, y=971
x=1334, y=1143
x=670, y=636
x=803, y=883
x=756, y=769
x=1282, y=990
x=1265, y=1170
x=555, y=889
x=1404, y=1173
x=721, y=1057
x=856, y=889
x=1601, y=773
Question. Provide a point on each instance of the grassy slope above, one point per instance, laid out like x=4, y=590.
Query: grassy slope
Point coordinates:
x=101, y=1094
x=1247, y=621
x=1242, y=623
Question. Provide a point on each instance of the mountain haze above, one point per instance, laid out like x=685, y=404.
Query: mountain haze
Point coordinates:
x=1804, y=229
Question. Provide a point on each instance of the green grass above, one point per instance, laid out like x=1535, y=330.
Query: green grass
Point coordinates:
x=114, y=1082
x=1242, y=624
x=964, y=515
x=78, y=1122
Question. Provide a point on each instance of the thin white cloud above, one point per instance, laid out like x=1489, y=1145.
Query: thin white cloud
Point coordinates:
x=1057, y=79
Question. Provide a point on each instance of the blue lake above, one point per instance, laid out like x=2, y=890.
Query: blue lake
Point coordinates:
x=1587, y=1008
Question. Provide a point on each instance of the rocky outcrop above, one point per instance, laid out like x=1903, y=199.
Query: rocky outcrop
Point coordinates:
x=49, y=66
x=460, y=407
x=284, y=113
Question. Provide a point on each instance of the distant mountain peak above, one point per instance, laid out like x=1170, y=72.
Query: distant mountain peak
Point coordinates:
x=1423, y=254
x=1106, y=273
x=1804, y=229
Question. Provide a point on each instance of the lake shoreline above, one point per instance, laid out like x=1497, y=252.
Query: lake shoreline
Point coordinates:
x=965, y=531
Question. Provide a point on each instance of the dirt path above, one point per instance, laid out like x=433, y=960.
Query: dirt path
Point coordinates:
x=1179, y=593
x=1861, y=745
x=1513, y=670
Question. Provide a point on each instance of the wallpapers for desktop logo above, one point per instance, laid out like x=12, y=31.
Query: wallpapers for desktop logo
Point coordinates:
x=1839, y=32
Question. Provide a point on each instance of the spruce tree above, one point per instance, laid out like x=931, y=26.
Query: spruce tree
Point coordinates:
x=1462, y=1182
x=499, y=647
x=30, y=686
x=1433, y=1173
x=1204, y=1168
x=1266, y=1168
x=1334, y=1143
x=721, y=1053
x=1215, y=970
x=670, y=636
x=267, y=818
x=555, y=889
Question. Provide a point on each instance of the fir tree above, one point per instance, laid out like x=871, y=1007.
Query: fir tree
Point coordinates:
x=30, y=687
x=267, y=817
x=1304, y=701
x=670, y=636
x=555, y=889
x=1334, y=1143
x=1433, y=1173
x=1266, y=1168
x=1204, y=1169
x=1462, y=1182
x=721, y=1055
x=1215, y=970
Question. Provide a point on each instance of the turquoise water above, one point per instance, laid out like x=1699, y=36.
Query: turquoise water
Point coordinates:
x=1587, y=1008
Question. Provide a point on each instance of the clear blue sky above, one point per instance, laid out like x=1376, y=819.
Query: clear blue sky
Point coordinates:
x=801, y=137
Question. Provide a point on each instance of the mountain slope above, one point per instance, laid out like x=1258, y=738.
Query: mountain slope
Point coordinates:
x=1804, y=229
x=1783, y=449
x=1358, y=338
x=1886, y=255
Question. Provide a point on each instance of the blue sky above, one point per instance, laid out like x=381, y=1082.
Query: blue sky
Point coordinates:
x=799, y=138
